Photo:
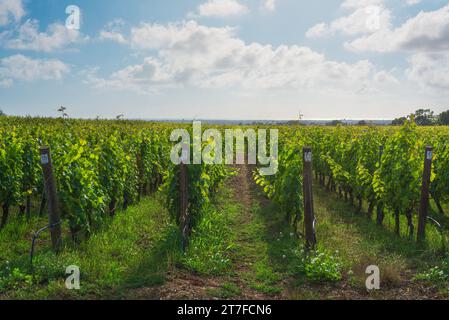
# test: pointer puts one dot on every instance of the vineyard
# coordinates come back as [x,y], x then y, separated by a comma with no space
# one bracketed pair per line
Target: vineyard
[139,225]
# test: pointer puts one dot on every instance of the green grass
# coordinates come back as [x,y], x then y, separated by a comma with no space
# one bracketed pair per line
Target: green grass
[360,242]
[227,290]
[281,261]
[265,247]
[241,248]
[132,250]
[268,256]
[213,239]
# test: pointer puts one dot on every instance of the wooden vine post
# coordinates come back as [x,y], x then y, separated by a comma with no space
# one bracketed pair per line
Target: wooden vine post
[54,216]
[424,206]
[380,209]
[184,202]
[309,218]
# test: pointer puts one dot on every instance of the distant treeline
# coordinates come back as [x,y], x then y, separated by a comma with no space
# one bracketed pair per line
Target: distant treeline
[425,117]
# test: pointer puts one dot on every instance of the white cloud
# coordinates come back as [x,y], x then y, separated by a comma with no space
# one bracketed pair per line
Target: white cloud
[21,68]
[367,17]
[113,32]
[6,83]
[413,2]
[317,31]
[221,8]
[29,37]
[269,5]
[355,4]
[189,54]
[385,77]
[11,10]
[112,36]
[430,70]
[144,78]
[182,36]
[426,32]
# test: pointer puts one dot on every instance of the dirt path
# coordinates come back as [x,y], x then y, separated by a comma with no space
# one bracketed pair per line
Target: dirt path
[239,283]
[248,241]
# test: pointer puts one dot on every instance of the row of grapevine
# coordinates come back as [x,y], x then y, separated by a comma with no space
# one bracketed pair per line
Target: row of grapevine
[101,165]
[98,165]
[203,181]
[381,166]
[285,187]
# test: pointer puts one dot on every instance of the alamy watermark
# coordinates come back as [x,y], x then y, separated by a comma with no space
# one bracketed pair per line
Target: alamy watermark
[73,21]
[373,280]
[207,147]
[73,280]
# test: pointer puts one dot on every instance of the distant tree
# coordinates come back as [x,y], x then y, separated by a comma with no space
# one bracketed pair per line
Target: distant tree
[443,118]
[399,121]
[62,112]
[2,113]
[362,123]
[424,117]
[300,117]
[334,123]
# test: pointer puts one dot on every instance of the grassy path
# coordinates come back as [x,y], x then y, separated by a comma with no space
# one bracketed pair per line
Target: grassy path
[258,270]
[263,263]
[253,272]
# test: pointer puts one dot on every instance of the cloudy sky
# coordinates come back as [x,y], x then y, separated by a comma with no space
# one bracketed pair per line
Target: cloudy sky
[224,59]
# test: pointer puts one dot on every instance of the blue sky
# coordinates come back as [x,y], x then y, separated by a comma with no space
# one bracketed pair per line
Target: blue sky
[225,59]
